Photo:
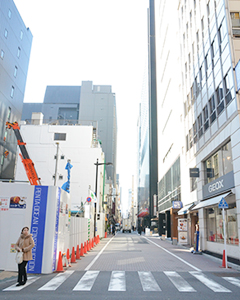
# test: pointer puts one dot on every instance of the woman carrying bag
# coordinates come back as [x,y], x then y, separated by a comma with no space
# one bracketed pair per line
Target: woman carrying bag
[25,244]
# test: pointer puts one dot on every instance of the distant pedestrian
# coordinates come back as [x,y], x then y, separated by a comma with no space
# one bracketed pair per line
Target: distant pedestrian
[113,229]
[25,244]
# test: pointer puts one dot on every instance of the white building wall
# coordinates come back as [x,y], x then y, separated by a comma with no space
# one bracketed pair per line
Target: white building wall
[78,148]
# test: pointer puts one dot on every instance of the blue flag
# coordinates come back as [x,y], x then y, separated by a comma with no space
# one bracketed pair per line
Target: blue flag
[66,185]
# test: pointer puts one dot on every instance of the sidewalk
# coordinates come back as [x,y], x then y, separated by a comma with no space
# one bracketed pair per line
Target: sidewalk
[6,275]
[167,242]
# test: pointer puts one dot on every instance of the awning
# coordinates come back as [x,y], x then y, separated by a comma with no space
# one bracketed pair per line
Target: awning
[211,202]
[185,209]
[143,213]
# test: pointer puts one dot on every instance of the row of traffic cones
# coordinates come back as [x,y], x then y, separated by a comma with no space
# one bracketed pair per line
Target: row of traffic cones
[88,245]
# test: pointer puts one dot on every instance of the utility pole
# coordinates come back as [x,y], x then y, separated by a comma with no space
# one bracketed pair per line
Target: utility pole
[56,165]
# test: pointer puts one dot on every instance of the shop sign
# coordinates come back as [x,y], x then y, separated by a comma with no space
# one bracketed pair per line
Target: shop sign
[194,172]
[177,204]
[218,186]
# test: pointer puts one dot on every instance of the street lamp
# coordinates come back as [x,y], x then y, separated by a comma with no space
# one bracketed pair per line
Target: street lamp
[95,204]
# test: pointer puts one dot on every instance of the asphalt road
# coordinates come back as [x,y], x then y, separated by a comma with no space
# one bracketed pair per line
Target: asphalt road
[129,266]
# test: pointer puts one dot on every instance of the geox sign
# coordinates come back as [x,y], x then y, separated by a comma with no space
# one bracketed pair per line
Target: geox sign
[218,186]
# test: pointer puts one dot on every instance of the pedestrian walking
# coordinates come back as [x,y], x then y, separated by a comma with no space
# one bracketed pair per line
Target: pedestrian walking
[25,244]
[113,229]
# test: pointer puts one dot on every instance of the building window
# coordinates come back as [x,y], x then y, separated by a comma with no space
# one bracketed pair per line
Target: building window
[62,156]
[187,143]
[21,34]
[219,164]
[206,117]
[192,95]
[15,71]
[222,31]
[193,184]
[200,126]
[235,19]
[12,92]
[228,84]
[59,136]
[18,52]
[212,109]
[195,133]
[2,54]
[9,14]
[190,138]
[220,99]
[6,33]
[9,113]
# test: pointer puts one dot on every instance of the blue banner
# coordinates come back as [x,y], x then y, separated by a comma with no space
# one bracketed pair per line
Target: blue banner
[38,228]
[56,231]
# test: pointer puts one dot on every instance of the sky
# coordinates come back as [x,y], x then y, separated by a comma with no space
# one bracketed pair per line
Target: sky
[104,41]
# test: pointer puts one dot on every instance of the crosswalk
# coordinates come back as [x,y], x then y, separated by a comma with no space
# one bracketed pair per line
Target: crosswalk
[116,281]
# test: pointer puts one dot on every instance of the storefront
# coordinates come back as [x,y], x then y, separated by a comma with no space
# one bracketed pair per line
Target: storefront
[219,178]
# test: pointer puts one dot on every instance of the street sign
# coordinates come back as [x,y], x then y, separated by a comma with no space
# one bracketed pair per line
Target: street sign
[222,203]
[89,199]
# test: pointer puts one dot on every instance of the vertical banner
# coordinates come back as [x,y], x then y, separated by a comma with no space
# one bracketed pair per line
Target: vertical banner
[56,231]
[155,205]
[38,228]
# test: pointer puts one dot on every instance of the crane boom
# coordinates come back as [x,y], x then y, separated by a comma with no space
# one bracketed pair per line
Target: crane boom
[27,162]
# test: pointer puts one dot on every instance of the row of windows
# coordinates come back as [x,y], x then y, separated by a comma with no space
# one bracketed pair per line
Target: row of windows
[2,53]
[216,104]
[10,16]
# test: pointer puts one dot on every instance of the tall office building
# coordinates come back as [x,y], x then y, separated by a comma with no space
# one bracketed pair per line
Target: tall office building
[15,47]
[85,104]
[209,39]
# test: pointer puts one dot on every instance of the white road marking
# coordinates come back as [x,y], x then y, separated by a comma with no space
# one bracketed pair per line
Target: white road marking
[94,260]
[180,283]
[182,260]
[213,285]
[148,282]
[233,280]
[117,282]
[54,283]
[87,281]
[13,288]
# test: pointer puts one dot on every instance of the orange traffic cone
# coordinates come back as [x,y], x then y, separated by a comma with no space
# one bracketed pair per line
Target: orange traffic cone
[73,258]
[88,246]
[60,265]
[85,248]
[224,260]
[68,256]
[105,234]
[81,251]
[78,253]
[98,239]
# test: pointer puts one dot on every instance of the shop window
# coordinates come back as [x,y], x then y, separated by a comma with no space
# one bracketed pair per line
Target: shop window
[215,232]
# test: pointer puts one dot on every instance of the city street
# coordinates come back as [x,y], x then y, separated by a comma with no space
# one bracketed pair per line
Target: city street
[129,266]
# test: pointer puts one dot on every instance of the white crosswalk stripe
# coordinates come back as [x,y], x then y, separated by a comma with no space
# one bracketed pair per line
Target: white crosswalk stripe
[13,287]
[117,282]
[54,283]
[233,280]
[180,283]
[211,284]
[87,281]
[148,282]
